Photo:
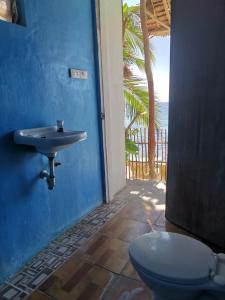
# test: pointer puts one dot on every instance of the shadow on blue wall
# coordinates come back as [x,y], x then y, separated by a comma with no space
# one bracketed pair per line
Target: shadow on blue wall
[35,91]
[9,147]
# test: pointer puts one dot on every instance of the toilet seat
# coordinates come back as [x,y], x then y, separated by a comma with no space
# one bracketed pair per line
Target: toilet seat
[173,258]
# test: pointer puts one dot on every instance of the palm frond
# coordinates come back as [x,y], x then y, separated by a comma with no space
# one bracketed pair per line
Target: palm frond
[135,89]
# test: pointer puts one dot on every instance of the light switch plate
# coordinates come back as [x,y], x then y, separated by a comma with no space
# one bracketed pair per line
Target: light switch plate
[78,74]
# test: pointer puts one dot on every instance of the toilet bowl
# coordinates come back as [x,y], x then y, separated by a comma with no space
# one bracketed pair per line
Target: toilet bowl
[178,267]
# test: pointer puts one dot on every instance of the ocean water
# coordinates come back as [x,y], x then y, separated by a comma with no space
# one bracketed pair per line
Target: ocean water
[163,113]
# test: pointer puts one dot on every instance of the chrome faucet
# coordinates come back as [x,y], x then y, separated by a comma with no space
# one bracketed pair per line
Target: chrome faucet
[60,125]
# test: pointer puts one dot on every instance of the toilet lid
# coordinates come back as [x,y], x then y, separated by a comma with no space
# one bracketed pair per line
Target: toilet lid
[173,257]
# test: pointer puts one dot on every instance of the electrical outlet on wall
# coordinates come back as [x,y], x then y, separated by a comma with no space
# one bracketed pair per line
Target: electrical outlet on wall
[78,74]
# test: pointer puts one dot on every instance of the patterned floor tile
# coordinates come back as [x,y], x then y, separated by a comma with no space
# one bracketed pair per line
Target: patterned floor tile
[90,260]
[9,292]
[41,277]
[21,281]
[45,259]
[58,252]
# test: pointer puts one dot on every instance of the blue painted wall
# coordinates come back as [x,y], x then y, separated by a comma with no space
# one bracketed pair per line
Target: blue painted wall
[35,90]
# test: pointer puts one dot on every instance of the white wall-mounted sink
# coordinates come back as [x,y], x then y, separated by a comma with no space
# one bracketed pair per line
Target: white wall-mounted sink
[48,140]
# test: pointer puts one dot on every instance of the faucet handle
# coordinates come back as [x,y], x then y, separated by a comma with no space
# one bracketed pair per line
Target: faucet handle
[60,124]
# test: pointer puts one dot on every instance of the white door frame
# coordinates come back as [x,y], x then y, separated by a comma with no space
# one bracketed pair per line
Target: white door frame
[110,47]
[102,107]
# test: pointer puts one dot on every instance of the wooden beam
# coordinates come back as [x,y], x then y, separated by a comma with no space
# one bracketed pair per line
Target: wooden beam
[157,20]
[159,32]
[167,10]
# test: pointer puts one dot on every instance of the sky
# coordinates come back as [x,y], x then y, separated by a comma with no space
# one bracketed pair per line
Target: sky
[161,50]
[161,67]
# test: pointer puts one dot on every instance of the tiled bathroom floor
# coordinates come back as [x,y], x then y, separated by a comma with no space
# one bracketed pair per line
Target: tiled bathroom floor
[90,261]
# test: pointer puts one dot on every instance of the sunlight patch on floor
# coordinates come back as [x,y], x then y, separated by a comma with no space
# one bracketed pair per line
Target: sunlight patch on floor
[134,192]
[160,207]
[145,198]
[161,186]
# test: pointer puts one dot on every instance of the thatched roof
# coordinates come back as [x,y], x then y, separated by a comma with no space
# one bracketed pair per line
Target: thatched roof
[158,12]
[5,10]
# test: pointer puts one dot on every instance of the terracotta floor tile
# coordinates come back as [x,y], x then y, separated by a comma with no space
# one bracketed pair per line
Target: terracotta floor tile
[39,296]
[125,229]
[107,252]
[141,211]
[101,269]
[129,271]
[123,288]
[86,281]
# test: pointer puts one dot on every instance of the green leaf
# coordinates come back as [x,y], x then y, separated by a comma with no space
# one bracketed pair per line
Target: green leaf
[135,88]
[130,148]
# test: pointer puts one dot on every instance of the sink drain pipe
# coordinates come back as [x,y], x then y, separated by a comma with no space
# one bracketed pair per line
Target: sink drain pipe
[50,175]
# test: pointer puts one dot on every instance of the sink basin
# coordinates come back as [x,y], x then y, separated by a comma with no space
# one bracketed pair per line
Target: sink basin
[47,140]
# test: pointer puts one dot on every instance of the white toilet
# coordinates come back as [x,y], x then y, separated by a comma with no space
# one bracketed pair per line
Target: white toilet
[178,267]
